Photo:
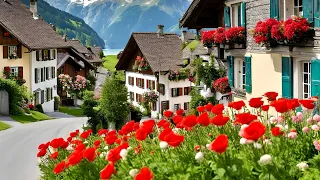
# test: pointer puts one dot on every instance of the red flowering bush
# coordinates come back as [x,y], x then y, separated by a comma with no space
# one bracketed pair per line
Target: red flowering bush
[221,84]
[240,136]
[207,37]
[220,36]
[235,35]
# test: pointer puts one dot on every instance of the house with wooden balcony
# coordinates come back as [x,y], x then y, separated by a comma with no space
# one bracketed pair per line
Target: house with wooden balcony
[28,49]
[291,69]
[148,60]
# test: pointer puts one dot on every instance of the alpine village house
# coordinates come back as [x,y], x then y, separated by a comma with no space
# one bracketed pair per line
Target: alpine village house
[29,50]
[292,70]
[159,54]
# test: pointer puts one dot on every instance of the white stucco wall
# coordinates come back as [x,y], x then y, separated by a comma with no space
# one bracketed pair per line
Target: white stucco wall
[51,83]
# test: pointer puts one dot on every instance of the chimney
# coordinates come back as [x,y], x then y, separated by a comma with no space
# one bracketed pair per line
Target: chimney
[160,30]
[53,27]
[34,8]
[64,37]
[183,36]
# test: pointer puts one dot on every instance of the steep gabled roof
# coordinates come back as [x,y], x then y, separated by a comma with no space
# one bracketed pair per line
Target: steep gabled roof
[66,58]
[16,18]
[95,50]
[203,14]
[162,52]
[78,46]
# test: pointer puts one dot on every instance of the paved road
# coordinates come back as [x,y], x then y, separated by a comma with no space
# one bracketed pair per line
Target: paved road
[18,146]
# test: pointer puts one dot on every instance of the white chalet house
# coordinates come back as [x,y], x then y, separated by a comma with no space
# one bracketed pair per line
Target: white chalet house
[28,48]
[162,51]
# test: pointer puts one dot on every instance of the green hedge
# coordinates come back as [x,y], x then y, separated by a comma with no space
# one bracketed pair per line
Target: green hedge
[16,95]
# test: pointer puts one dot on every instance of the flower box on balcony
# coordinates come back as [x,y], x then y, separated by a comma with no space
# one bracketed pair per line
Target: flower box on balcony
[234,46]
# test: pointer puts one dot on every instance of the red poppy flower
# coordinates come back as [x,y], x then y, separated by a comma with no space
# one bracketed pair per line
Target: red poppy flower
[236,105]
[85,135]
[141,134]
[307,103]
[136,126]
[148,125]
[114,154]
[208,107]
[54,155]
[102,131]
[127,128]
[189,121]
[265,107]
[177,119]
[163,124]
[107,171]
[173,139]
[167,113]
[42,152]
[254,131]
[97,143]
[69,139]
[110,139]
[76,142]
[89,154]
[256,102]
[220,144]
[74,158]
[203,119]
[245,118]
[276,131]
[217,109]
[179,112]
[292,104]
[271,96]
[59,167]
[44,146]
[280,105]
[144,174]
[164,133]
[200,109]
[73,134]
[56,143]
[80,147]
[219,120]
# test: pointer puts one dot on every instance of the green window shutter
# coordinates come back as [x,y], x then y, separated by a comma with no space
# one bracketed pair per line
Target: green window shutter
[274,9]
[227,23]
[243,14]
[230,61]
[287,77]
[316,10]
[307,9]
[239,16]
[248,74]
[315,77]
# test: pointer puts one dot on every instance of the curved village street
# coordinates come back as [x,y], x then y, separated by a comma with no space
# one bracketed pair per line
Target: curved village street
[18,146]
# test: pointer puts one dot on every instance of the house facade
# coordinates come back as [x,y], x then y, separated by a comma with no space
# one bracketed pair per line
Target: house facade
[292,71]
[162,52]
[28,48]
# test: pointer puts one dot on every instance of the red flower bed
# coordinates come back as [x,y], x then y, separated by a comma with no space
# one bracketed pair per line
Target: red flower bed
[221,84]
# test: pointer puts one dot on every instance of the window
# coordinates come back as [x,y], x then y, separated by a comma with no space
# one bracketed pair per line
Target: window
[162,89]
[42,74]
[53,72]
[164,105]
[290,7]
[36,98]
[236,15]
[240,73]
[151,84]
[42,96]
[40,55]
[47,73]
[12,50]
[131,80]
[131,96]
[176,92]
[140,82]
[45,54]
[176,107]
[186,106]
[306,80]
[187,91]
[48,94]
[54,54]
[139,98]
[14,71]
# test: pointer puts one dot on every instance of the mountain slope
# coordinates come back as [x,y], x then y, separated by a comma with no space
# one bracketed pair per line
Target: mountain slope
[115,20]
[73,26]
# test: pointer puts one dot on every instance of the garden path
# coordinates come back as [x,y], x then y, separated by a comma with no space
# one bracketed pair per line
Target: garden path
[19,146]
[10,121]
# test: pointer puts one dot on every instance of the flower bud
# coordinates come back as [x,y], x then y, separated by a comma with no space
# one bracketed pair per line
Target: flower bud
[292,135]
[315,127]
[257,145]
[265,159]
[303,166]
[199,156]
[305,129]
[163,145]
[133,172]
[123,153]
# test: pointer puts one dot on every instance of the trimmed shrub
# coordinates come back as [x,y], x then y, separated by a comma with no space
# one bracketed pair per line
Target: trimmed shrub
[39,108]
[16,95]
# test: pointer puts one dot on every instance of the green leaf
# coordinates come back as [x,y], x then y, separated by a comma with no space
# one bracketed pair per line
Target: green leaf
[220,172]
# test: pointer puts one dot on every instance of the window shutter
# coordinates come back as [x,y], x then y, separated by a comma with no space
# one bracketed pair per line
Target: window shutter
[180,92]
[315,77]
[172,95]
[49,54]
[36,75]
[230,62]
[274,9]
[54,54]
[136,81]
[185,91]
[19,51]
[5,52]
[137,98]
[227,23]
[42,53]
[142,86]
[316,9]
[287,81]
[153,85]
[37,55]
[47,73]
[148,84]
[20,72]
[243,14]
[307,9]
[248,74]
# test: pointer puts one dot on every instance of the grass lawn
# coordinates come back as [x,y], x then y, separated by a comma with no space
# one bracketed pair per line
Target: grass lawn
[110,62]
[71,111]
[4,126]
[193,44]
[34,117]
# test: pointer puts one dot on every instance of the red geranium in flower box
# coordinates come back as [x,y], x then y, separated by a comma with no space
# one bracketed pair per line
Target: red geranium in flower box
[221,84]
[235,35]
[262,32]
[207,38]
[220,37]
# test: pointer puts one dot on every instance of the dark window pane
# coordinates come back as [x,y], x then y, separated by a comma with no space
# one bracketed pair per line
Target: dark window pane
[305,67]
[295,2]
[305,86]
[300,2]
[305,78]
